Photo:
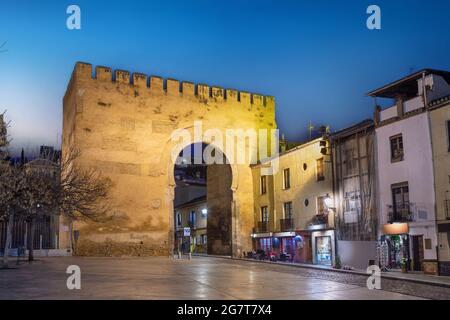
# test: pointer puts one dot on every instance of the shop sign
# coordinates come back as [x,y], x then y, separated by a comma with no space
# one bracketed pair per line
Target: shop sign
[284,234]
[262,235]
[395,228]
[317,227]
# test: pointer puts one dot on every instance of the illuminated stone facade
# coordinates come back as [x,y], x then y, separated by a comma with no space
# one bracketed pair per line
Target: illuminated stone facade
[123,128]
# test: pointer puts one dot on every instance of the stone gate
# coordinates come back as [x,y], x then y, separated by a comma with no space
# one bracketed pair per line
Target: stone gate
[122,126]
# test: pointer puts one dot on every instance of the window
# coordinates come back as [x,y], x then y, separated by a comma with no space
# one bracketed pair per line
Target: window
[179,219]
[192,217]
[321,207]
[352,206]
[204,239]
[264,214]
[448,134]
[400,202]
[286,179]
[263,184]
[320,170]
[396,148]
[352,201]
[288,210]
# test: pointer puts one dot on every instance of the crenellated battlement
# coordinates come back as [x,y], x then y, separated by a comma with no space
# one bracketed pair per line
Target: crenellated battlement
[173,87]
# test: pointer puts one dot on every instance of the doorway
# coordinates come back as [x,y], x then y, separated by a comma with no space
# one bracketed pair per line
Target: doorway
[202,203]
[417,252]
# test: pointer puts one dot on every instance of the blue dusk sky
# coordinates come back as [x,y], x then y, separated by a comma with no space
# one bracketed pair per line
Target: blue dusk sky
[316,57]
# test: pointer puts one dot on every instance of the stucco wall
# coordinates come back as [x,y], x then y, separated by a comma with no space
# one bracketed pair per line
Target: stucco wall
[356,254]
[304,185]
[416,169]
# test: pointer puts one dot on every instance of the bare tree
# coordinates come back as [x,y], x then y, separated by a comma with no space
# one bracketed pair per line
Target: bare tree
[83,193]
[12,186]
[60,186]
[38,197]
[50,186]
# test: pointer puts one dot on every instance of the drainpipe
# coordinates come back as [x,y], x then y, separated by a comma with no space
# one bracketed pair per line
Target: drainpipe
[424,91]
[435,209]
[335,212]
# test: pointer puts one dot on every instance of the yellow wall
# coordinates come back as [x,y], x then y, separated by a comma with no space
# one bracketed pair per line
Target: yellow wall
[304,185]
[441,163]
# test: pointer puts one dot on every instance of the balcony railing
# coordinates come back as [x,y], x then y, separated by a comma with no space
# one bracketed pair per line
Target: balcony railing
[286,224]
[400,212]
[192,225]
[263,226]
[319,219]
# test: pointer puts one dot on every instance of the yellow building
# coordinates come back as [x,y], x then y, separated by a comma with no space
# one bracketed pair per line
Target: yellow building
[439,116]
[294,217]
[190,226]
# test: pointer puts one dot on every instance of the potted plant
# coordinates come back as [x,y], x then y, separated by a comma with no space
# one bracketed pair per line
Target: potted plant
[337,263]
[403,264]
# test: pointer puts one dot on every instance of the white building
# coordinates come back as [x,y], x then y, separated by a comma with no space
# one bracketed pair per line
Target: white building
[405,177]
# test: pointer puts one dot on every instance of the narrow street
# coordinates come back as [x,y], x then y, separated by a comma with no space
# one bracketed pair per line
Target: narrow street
[199,278]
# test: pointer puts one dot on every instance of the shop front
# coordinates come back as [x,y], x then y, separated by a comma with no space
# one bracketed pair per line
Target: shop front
[394,246]
[284,246]
[262,243]
[323,247]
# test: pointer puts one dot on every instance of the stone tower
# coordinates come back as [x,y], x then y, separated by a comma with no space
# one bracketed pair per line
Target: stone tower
[122,126]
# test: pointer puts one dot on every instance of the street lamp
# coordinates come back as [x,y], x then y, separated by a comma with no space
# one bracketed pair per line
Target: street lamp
[329,202]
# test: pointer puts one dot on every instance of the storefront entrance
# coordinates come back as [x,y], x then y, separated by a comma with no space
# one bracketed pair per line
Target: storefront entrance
[324,250]
[398,248]
[417,253]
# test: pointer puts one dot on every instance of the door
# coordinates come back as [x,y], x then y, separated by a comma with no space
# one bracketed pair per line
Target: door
[323,250]
[417,248]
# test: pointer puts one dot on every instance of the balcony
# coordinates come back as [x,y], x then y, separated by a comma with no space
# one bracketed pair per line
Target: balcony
[286,224]
[401,212]
[192,225]
[413,104]
[263,226]
[319,222]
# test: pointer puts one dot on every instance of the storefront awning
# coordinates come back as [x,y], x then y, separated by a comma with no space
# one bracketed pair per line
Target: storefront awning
[262,235]
[395,228]
[284,234]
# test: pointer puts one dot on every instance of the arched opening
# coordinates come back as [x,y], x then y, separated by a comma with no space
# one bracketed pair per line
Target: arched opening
[203,201]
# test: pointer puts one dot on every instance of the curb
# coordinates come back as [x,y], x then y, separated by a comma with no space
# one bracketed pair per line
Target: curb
[355,272]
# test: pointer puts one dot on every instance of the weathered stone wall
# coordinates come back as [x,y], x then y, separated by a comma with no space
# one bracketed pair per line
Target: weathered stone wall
[123,127]
[219,199]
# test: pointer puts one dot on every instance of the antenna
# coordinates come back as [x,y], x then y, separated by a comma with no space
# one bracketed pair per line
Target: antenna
[1,46]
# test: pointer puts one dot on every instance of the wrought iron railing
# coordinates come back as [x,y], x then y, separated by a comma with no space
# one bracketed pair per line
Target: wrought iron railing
[287,224]
[319,219]
[192,225]
[263,226]
[400,212]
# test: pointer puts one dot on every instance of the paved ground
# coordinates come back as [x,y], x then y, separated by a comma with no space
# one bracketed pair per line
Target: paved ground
[164,278]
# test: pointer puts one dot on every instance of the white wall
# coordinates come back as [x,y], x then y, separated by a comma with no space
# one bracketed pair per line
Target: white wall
[357,254]
[416,169]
